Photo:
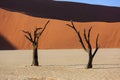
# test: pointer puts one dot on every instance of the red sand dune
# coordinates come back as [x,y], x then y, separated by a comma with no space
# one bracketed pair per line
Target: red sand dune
[57,35]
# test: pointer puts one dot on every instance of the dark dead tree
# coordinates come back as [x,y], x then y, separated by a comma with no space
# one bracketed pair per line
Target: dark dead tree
[87,48]
[34,40]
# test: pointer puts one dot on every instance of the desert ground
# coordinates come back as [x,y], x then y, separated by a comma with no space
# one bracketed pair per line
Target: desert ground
[68,64]
[61,57]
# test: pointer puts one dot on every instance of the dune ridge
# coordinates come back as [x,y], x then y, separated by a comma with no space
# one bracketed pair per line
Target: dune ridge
[62,10]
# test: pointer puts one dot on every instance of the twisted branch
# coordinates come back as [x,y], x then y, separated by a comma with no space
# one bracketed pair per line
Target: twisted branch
[78,34]
[36,34]
[28,35]
[87,39]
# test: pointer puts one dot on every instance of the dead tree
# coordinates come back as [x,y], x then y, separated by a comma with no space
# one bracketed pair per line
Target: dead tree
[34,40]
[87,48]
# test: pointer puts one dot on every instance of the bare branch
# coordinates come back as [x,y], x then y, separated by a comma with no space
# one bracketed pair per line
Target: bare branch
[95,52]
[28,38]
[45,26]
[97,41]
[28,34]
[25,32]
[85,36]
[35,33]
[40,33]
[73,26]
[78,34]
[89,44]
[69,25]
[87,41]
[97,46]
[89,32]
[81,41]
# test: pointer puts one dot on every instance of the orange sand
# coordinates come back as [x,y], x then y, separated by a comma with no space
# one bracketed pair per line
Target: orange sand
[57,35]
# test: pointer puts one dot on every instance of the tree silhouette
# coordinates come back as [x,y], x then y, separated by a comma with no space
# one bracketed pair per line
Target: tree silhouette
[88,49]
[34,40]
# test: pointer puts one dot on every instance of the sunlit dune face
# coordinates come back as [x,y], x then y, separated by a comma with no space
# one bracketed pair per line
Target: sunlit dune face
[57,35]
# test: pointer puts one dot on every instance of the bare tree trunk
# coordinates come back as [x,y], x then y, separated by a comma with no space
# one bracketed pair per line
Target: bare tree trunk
[35,57]
[34,41]
[89,65]
[87,48]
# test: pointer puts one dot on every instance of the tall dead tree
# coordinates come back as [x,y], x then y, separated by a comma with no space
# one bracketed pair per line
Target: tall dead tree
[34,40]
[87,48]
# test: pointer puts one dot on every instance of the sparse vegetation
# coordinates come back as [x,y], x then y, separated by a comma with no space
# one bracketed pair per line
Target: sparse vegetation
[34,40]
[87,48]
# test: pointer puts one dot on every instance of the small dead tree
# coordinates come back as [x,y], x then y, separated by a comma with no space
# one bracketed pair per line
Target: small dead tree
[88,49]
[34,40]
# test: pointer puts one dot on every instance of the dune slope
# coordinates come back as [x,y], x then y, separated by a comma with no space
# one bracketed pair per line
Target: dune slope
[57,35]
